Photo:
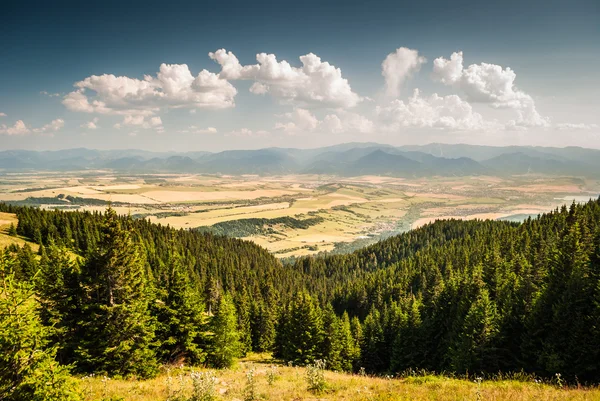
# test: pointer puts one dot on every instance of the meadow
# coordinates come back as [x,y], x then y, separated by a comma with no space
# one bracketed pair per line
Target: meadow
[271,381]
[352,212]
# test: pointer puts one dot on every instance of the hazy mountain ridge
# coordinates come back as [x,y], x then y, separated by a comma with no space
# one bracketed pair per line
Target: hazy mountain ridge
[349,159]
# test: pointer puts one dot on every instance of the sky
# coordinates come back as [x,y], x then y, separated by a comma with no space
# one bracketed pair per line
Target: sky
[197,75]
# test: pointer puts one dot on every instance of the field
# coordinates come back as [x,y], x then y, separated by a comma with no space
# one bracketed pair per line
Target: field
[289,383]
[328,213]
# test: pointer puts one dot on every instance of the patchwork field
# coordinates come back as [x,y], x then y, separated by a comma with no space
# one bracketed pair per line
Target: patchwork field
[295,214]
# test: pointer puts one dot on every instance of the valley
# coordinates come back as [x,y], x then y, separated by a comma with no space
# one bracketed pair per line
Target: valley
[325,213]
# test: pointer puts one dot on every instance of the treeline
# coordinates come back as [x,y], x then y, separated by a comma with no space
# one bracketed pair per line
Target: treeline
[255,226]
[475,296]
[122,296]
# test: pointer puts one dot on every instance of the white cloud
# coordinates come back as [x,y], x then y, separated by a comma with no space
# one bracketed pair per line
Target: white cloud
[2,114]
[140,121]
[399,66]
[580,126]
[302,120]
[437,112]
[19,128]
[491,84]
[91,124]
[315,83]
[53,126]
[299,120]
[49,94]
[192,129]
[173,87]
[155,121]
[246,132]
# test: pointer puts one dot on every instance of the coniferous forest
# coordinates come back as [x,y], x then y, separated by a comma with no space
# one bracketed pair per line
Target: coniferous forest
[107,294]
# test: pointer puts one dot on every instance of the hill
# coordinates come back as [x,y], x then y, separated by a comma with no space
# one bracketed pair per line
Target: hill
[452,296]
[344,160]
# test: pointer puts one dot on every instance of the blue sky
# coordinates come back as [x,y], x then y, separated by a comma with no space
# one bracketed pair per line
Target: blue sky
[523,72]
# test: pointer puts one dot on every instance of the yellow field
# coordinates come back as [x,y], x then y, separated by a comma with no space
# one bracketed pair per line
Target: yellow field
[290,384]
[6,219]
[353,209]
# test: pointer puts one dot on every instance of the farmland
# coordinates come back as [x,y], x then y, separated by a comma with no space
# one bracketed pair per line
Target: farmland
[326,213]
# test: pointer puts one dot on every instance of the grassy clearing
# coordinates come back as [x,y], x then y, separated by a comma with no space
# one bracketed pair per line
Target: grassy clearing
[290,383]
[6,219]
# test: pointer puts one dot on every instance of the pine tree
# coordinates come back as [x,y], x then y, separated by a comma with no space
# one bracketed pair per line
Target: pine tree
[350,351]
[117,329]
[225,341]
[475,349]
[302,332]
[372,343]
[12,230]
[181,320]
[58,290]
[333,342]
[28,370]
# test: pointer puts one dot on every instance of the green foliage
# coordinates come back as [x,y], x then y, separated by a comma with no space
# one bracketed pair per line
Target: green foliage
[12,230]
[300,331]
[225,343]
[117,330]
[181,319]
[257,226]
[28,370]
[458,296]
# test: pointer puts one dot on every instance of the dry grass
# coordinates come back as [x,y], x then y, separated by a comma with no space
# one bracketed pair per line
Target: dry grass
[290,384]
[6,219]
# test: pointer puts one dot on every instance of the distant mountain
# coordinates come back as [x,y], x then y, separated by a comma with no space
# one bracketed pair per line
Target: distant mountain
[345,160]
[522,163]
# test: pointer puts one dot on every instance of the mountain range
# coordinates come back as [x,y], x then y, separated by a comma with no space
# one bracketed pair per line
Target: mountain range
[349,159]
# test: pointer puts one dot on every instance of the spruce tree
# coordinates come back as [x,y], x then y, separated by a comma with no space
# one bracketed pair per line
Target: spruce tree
[28,370]
[12,230]
[181,321]
[333,341]
[117,329]
[225,343]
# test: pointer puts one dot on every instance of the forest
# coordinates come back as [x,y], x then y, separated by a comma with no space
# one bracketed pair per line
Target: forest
[111,295]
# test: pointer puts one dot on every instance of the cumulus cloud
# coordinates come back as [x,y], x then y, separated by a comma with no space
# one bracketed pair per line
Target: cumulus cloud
[491,84]
[298,120]
[45,93]
[399,66]
[53,126]
[19,128]
[575,126]
[140,121]
[315,83]
[174,86]
[91,124]
[2,114]
[195,130]
[438,112]
[246,132]
[302,120]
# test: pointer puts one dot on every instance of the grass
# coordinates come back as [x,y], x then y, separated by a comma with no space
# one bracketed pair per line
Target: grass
[6,219]
[290,383]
